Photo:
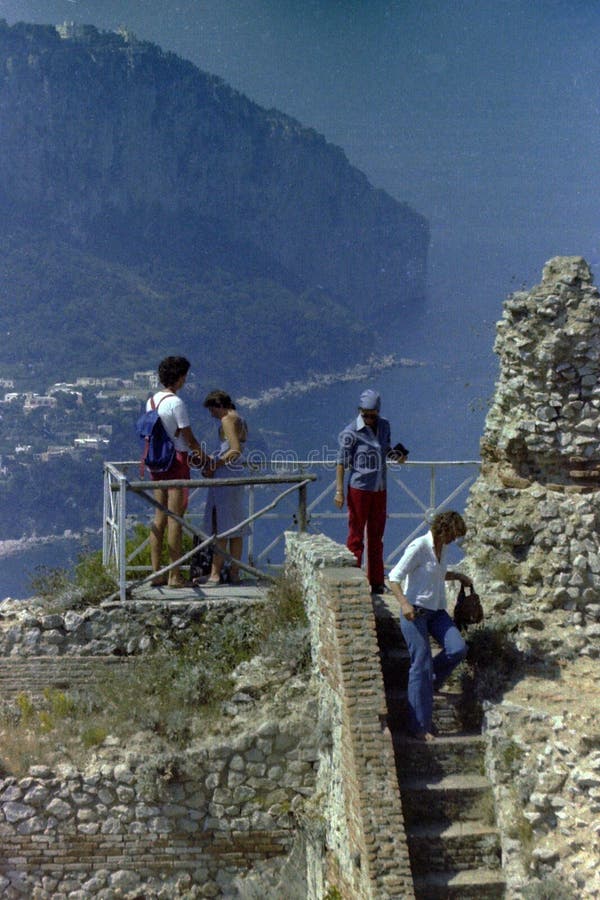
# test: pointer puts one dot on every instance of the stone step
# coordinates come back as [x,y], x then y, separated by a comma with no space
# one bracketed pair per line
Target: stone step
[36,673]
[448,799]
[482,884]
[448,714]
[458,847]
[446,755]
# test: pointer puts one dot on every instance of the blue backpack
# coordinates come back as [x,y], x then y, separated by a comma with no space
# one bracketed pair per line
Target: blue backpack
[159,450]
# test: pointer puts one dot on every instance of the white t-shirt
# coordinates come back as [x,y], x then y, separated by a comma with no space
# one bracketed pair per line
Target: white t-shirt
[423,575]
[173,415]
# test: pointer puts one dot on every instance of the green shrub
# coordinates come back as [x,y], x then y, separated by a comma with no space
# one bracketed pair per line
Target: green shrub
[551,888]
[139,538]
[61,704]
[492,646]
[282,623]
[25,707]
[511,754]
[506,572]
[285,604]
[93,736]
[93,580]
[87,585]
[49,583]
[170,691]
[333,893]
[163,691]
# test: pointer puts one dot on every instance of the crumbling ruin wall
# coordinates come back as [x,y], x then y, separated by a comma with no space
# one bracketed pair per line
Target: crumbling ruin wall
[534,512]
[532,547]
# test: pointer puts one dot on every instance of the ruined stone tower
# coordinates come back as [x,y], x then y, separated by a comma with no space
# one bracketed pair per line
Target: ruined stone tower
[534,512]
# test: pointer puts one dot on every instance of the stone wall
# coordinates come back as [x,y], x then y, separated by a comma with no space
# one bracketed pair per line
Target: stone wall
[215,818]
[532,547]
[113,631]
[362,848]
[534,512]
[66,831]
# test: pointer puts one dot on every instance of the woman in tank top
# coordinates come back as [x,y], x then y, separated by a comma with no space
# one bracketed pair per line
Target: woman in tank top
[225,506]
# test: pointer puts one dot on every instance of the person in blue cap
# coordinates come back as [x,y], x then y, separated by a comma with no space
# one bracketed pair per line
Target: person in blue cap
[364,447]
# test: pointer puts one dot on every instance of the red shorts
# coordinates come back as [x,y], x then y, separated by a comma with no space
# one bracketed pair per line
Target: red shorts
[179,468]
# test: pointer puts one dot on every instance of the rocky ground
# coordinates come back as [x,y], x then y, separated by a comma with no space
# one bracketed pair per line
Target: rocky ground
[545,763]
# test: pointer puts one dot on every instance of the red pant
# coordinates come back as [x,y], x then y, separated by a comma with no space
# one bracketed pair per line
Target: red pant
[367,509]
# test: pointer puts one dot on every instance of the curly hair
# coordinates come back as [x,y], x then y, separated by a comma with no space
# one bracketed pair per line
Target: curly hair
[171,368]
[449,524]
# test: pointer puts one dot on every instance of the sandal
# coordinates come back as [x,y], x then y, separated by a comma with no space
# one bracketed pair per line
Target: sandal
[211,583]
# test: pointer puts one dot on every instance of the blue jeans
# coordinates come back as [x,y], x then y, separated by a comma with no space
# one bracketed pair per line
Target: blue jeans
[427,672]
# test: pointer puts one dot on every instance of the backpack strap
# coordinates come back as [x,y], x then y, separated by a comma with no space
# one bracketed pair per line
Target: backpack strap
[156,405]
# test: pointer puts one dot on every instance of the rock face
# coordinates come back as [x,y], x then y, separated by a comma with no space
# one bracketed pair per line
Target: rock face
[532,547]
[544,421]
[544,759]
[534,512]
[102,133]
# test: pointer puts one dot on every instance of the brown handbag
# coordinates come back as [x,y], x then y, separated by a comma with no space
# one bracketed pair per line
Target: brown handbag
[468,609]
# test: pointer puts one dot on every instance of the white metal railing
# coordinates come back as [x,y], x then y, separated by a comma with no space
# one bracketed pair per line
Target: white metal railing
[416,492]
[118,485]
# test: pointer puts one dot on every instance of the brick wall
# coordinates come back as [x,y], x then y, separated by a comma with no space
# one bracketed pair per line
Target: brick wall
[35,674]
[365,854]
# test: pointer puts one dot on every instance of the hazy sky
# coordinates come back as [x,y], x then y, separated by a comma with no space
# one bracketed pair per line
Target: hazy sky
[483,115]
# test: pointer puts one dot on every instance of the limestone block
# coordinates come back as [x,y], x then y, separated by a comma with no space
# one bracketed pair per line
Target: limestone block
[16,812]
[59,809]
[51,622]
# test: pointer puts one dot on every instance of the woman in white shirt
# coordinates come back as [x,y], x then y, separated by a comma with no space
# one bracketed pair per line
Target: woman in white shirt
[423,570]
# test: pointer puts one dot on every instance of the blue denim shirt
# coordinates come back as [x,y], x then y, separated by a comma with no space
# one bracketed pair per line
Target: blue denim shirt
[363,452]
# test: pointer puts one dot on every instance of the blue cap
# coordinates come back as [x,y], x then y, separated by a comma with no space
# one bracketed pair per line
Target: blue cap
[370,400]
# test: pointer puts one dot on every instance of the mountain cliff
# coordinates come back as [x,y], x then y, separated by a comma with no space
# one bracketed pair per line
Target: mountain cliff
[117,154]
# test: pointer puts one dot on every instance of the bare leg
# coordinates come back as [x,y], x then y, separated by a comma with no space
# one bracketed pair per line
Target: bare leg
[176,505]
[217,561]
[158,530]
[236,545]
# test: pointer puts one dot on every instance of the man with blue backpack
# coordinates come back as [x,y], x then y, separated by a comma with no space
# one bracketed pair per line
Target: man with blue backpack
[168,442]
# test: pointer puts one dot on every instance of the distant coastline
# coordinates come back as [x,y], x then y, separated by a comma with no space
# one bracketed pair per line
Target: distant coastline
[355,373]
[18,545]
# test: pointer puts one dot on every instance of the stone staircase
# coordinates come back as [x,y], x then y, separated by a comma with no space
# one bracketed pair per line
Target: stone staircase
[447,800]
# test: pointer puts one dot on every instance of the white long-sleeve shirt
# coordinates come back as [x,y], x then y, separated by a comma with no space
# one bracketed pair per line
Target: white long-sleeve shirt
[423,575]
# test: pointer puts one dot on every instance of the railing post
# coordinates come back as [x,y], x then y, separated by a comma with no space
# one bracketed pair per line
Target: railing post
[302,516]
[432,489]
[122,539]
[251,508]
[105,514]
